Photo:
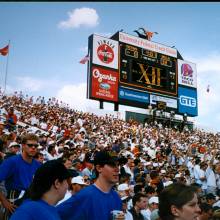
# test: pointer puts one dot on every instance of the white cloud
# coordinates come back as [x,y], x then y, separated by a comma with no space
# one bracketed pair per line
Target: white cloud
[75,96]
[79,17]
[29,84]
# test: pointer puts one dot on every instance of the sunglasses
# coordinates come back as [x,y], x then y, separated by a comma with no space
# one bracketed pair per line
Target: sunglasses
[32,145]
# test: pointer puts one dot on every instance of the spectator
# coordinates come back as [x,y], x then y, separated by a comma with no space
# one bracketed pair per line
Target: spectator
[48,187]
[178,201]
[139,201]
[18,172]
[84,204]
[11,119]
[13,148]
[77,184]
[128,215]
[206,211]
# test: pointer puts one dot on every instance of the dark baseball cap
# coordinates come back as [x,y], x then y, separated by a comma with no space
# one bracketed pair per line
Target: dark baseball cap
[210,196]
[105,157]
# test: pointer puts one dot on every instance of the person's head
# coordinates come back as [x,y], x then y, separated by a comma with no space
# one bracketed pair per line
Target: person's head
[29,144]
[139,188]
[150,191]
[77,183]
[51,149]
[123,189]
[206,211]
[210,198]
[50,177]
[153,202]
[67,162]
[178,201]
[139,201]
[106,166]
[39,157]
[14,147]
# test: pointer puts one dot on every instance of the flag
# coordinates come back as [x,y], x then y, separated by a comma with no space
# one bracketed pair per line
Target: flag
[208,88]
[4,50]
[84,60]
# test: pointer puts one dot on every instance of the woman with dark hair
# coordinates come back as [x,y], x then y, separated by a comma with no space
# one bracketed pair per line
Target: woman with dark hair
[47,188]
[178,202]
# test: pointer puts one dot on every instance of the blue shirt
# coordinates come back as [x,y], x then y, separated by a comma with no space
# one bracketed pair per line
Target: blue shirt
[17,173]
[35,210]
[90,204]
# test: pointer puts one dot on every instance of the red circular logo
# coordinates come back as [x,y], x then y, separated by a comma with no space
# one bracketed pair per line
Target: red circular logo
[105,53]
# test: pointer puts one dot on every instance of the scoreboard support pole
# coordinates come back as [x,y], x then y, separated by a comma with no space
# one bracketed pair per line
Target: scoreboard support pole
[116,107]
[101,104]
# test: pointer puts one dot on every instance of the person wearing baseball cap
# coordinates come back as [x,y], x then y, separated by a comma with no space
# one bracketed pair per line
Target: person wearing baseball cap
[13,149]
[85,204]
[77,183]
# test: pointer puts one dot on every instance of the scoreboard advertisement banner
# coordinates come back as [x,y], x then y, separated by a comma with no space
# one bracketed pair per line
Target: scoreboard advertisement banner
[171,103]
[133,95]
[147,70]
[146,44]
[104,84]
[187,74]
[187,101]
[105,52]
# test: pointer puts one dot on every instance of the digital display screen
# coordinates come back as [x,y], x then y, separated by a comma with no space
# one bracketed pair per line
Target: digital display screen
[148,70]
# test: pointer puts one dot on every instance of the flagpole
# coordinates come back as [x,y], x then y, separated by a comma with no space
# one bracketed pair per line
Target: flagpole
[6,69]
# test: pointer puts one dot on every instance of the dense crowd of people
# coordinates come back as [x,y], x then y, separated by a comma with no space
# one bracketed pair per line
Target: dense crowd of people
[117,168]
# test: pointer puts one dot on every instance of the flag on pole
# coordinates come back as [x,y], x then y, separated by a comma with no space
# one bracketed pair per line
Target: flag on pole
[208,88]
[4,50]
[85,59]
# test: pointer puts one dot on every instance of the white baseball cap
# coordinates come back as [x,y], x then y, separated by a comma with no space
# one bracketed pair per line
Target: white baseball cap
[13,144]
[153,199]
[78,180]
[123,186]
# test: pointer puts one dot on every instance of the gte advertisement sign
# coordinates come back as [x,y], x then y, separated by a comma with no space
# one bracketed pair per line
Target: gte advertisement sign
[105,52]
[188,101]
[187,73]
[104,84]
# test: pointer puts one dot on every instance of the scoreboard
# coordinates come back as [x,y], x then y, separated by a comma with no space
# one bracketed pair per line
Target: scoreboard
[128,70]
[147,70]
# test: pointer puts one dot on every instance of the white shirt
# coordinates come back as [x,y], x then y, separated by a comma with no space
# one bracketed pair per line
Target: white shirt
[210,176]
[128,216]
[146,213]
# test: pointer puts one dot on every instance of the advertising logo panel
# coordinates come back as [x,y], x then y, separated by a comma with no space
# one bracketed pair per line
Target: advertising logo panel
[188,101]
[133,95]
[104,84]
[146,44]
[187,74]
[171,103]
[105,52]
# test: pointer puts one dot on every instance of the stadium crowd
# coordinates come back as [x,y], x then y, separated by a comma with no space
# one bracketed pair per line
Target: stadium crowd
[151,159]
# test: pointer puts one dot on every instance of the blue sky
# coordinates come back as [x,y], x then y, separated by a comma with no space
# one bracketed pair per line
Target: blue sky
[49,39]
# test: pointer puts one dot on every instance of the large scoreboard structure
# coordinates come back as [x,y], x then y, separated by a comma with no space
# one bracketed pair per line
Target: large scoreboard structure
[129,70]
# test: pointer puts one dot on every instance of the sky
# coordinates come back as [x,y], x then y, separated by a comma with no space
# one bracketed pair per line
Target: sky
[48,39]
